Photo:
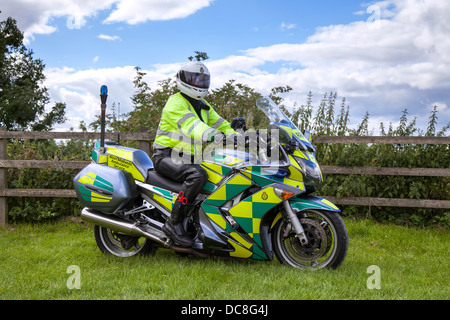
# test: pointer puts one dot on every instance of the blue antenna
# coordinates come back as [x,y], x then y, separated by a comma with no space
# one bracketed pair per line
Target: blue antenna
[103,97]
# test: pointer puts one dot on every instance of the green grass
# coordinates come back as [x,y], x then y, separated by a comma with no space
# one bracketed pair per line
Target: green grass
[414,264]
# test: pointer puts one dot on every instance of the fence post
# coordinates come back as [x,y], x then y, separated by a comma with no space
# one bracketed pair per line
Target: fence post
[3,183]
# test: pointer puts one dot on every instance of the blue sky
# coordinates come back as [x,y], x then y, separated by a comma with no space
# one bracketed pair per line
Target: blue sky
[382,56]
[223,28]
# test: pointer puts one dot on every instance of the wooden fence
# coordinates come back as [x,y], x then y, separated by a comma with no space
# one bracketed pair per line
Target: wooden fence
[144,139]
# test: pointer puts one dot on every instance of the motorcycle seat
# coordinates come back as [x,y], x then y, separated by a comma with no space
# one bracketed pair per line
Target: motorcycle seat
[157,180]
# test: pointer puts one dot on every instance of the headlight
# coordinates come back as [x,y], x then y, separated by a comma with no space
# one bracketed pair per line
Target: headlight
[310,169]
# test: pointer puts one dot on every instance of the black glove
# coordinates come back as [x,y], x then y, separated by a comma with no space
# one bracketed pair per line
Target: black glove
[218,138]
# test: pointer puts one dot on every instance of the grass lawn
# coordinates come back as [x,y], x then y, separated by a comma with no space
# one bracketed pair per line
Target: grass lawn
[413,264]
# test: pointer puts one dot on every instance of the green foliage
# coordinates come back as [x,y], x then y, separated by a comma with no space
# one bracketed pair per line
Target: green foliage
[237,100]
[199,56]
[327,122]
[21,78]
[41,209]
[148,103]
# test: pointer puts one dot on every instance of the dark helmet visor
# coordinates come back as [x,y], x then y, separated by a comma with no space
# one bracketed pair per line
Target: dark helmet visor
[199,80]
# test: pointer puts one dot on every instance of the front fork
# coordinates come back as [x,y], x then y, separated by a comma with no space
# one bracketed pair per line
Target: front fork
[295,222]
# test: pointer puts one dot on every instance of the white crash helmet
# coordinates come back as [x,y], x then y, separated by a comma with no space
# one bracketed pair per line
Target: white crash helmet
[193,79]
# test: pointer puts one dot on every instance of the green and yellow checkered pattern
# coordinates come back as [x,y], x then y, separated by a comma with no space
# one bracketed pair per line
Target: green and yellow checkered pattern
[248,213]
[229,190]
[215,171]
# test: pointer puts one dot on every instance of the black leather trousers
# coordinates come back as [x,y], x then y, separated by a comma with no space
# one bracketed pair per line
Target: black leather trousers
[192,176]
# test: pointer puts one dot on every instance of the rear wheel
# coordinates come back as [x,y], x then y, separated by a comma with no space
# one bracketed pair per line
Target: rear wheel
[122,245]
[327,241]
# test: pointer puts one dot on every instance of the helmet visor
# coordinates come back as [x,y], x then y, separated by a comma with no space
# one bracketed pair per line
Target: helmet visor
[199,80]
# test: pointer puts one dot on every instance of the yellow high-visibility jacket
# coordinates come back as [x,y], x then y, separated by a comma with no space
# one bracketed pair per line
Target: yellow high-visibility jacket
[181,128]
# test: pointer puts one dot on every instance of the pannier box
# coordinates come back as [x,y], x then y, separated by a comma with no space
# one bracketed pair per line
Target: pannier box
[104,188]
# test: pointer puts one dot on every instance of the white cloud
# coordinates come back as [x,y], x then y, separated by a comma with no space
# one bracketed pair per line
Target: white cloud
[35,17]
[287,26]
[79,89]
[137,11]
[233,67]
[109,38]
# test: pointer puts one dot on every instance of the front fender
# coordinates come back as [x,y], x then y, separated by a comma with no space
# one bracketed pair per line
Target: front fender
[312,202]
[298,203]
[308,202]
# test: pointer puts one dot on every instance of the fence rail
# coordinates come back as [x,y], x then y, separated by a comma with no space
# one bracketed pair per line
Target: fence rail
[144,139]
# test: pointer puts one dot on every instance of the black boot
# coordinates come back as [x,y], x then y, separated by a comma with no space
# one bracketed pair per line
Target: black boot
[174,226]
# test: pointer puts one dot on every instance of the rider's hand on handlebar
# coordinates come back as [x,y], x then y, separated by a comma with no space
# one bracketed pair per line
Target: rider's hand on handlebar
[219,137]
[236,139]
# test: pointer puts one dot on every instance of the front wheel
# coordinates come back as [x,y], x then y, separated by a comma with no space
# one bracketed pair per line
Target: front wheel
[122,245]
[327,241]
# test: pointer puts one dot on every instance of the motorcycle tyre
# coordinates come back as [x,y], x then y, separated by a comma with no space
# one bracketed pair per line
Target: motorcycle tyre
[106,246]
[340,234]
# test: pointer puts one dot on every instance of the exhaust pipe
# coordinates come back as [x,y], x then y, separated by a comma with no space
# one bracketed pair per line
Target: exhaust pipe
[121,225]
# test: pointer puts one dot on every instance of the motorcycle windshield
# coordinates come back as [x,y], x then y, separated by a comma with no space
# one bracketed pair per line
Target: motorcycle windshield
[277,117]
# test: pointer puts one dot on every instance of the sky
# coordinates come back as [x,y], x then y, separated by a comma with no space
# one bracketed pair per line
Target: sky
[382,56]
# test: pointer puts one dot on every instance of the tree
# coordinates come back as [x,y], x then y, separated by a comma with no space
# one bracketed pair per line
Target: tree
[237,100]
[22,95]
[148,103]
[199,56]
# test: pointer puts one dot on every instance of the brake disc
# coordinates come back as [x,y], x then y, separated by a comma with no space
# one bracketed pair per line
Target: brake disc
[317,244]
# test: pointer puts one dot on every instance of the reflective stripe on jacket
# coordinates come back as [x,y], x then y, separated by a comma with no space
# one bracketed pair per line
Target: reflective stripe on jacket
[181,128]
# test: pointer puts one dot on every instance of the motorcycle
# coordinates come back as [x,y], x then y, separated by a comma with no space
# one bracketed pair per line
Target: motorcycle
[249,208]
